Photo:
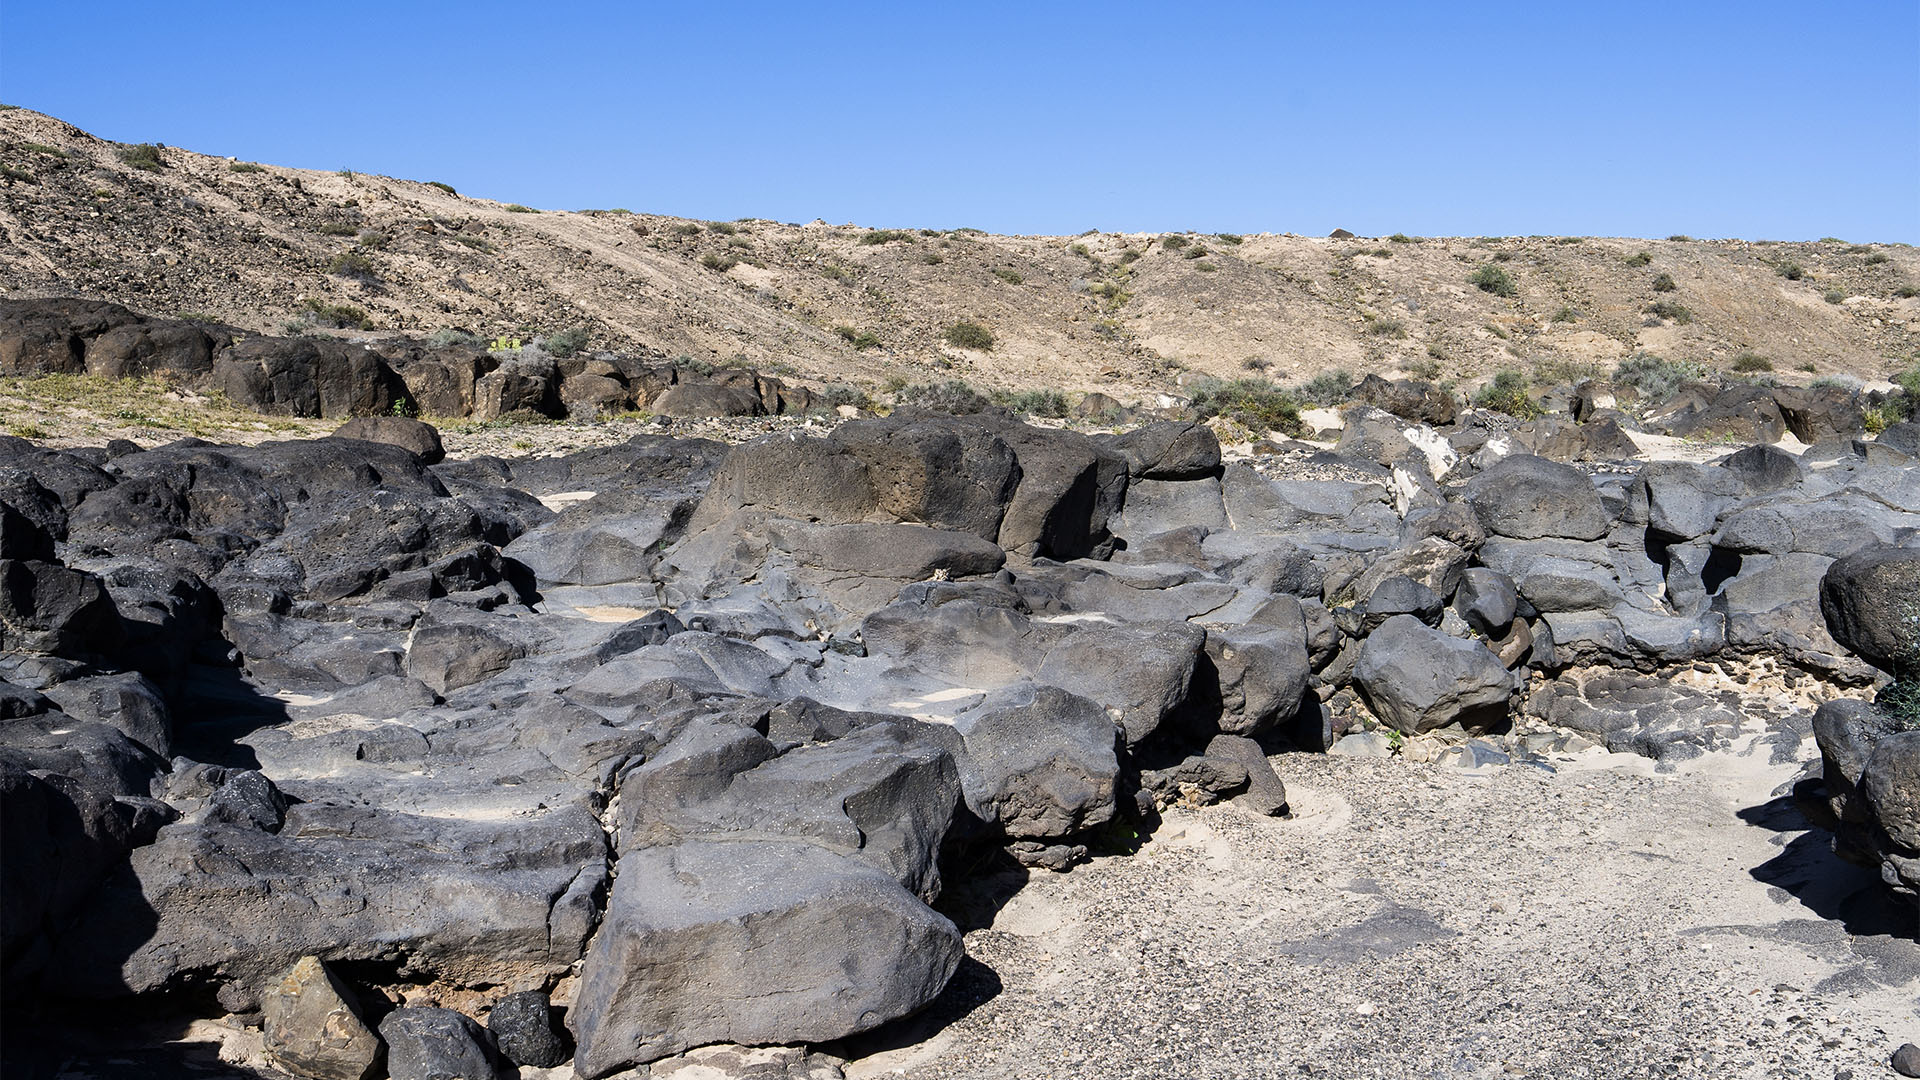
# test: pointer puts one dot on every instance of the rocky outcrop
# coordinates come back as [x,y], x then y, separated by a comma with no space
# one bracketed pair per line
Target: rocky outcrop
[700,747]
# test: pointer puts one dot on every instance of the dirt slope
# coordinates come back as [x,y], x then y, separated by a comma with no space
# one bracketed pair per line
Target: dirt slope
[1128,314]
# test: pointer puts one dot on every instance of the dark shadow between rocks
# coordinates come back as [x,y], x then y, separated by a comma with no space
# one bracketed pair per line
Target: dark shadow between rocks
[1827,885]
[981,879]
[218,706]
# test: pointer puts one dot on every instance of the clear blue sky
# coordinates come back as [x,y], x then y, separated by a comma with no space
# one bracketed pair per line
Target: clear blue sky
[1760,119]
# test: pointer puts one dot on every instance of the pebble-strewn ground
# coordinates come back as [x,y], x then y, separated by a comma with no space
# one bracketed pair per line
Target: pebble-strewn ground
[1413,921]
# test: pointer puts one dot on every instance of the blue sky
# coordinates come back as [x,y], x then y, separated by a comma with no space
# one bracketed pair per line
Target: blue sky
[1761,120]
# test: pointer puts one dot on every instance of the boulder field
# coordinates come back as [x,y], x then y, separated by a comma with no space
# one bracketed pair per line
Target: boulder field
[668,744]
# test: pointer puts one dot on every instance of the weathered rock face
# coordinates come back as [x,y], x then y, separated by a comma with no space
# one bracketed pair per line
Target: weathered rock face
[1871,600]
[1417,678]
[312,1026]
[717,942]
[1527,498]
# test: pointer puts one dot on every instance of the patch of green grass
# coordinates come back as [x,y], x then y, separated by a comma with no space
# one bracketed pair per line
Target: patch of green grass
[1330,387]
[20,176]
[859,339]
[1009,276]
[1663,283]
[968,335]
[955,396]
[1678,314]
[836,272]
[143,156]
[1507,393]
[1492,279]
[1750,362]
[1253,403]
[351,264]
[564,343]
[43,148]
[1051,404]
[1655,377]
[1387,328]
[338,316]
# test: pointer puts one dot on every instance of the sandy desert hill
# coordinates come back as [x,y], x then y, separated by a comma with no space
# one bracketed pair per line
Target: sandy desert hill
[172,232]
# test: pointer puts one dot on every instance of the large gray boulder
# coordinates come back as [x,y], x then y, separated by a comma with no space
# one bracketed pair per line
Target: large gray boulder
[1039,762]
[753,942]
[1168,450]
[1871,600]
[1527,498]
[1416,678]
[440,1044]
[417,437]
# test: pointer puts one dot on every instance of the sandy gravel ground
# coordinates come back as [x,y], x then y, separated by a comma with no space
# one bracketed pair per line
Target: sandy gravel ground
[1414,921]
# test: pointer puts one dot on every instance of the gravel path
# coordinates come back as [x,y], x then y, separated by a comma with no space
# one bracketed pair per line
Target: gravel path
[1413,921]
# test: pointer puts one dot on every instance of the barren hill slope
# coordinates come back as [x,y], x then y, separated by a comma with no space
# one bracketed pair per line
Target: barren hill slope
[260,246]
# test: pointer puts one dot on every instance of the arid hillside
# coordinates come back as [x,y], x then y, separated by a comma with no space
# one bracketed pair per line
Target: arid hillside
[260,247]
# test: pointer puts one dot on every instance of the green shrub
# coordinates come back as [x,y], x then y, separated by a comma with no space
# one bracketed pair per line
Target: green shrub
[885,236]
[1639,258]
[932,258]
[473,242]
[1254,403]
[516,208]
[686,228]
[1750,362]
[373,239]
[724,228]
[859,339]
[1875,259]
[1906,292]
[18,175]
[1255,363]
[564,343]
[351,264]
[1492,279]
[1205,267]
[1566,314]
[954,397]
[1227,238]
[1792,271]
[1008,276]
[1400,238]
[1046,403]
[448,188]
[1330,387]
[338,316]
[1174,243]
[337,228]
[1197,251]
[1676,313]
[1656,378]
[1129,256]
[1663,283]
[1507,393]
[969,335]
[717,262]
[1681,238]
[1878,418]
[1390,328]
[144,156]
[1834,296]
[244,167]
